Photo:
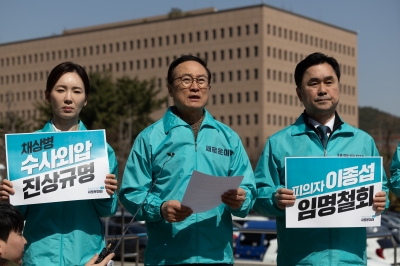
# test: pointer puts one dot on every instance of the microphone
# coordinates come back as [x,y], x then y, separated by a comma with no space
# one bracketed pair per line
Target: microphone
[111,248]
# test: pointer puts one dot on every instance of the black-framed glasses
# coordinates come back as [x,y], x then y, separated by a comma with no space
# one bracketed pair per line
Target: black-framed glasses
[187,81]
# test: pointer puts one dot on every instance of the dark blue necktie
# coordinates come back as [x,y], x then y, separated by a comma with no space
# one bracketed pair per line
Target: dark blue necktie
[323,134]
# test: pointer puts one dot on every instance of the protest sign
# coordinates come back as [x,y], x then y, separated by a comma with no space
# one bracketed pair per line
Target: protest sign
[57,166]
[333,191]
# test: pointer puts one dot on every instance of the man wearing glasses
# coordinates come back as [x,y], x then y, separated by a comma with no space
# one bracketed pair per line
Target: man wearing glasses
[161,162]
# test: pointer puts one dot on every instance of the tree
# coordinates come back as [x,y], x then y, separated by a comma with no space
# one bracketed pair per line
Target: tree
[136,101]
[175,13]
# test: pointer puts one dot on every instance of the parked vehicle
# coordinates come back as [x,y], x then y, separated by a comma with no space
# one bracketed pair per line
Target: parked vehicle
[380,248]
[251,245]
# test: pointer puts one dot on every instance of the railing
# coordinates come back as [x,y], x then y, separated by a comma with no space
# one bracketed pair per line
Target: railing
[121,247]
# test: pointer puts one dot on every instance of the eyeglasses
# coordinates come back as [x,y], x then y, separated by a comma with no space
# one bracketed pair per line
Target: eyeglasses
[187,81]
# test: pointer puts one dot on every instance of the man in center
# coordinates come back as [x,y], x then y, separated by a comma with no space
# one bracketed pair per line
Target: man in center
[161,163]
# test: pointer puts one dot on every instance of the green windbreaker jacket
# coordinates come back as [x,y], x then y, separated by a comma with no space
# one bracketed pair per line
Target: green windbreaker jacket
[203,237]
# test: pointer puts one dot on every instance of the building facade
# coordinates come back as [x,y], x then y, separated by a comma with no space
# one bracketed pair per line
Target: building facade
[251,51]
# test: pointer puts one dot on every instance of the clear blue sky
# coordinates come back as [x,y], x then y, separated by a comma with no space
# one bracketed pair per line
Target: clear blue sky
[377,23]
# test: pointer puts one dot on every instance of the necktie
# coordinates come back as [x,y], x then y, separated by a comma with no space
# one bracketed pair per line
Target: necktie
[323,134]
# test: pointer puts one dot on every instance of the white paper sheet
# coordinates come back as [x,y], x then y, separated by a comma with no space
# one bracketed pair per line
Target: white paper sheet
[204,191]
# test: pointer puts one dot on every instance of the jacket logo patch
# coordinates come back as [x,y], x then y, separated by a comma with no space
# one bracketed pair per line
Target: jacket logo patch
[220,151]
[349,155]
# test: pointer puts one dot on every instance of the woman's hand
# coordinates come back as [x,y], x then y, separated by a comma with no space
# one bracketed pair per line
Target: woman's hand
[6,190]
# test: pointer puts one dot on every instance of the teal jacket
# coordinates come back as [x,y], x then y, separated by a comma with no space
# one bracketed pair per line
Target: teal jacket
[311,246]
[67,233]
[201,238]
[394,183]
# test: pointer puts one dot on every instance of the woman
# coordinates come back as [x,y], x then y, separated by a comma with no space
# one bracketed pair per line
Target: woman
[66,233]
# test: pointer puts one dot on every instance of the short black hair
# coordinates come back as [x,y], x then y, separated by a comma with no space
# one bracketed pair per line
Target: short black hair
[63,68]
[182,59]
[312,60]
[10,220]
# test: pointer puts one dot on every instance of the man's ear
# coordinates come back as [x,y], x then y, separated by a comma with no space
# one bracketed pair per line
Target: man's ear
[298,92]
[170,88]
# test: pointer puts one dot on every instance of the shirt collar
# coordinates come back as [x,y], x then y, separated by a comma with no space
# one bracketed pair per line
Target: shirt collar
[329,124]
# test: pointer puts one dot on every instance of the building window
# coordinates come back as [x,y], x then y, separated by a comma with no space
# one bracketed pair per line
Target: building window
[238,120]
[247,119]
[256,119]
[222,98]
[206,35]
[256,28]
[222,55]
[239,30]
[230,120]
[230,31]
[230,76]
[239,75]
[255,51]
[247,97]
[268,119]
[255,73]
[222,77]
[214,99]
[222,33]
[214,33]
[239,98]
[230,98]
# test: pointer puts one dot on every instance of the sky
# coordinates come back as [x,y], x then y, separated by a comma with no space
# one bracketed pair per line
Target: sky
[377,23]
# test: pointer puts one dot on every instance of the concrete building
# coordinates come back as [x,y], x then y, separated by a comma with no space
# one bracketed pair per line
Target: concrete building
[252,52]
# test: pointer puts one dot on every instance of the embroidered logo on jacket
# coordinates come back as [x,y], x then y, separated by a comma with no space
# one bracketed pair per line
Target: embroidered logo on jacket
[219,151]
[349,155]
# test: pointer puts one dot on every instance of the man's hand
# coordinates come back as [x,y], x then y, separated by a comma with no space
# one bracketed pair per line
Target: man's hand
[234,198]
[102,263]
[172,211]
[6,189]
[285,197]
[380,201]
[111,184]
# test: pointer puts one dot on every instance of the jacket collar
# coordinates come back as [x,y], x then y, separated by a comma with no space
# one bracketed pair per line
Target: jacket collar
[171,120]
[49,127]
[302,126]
